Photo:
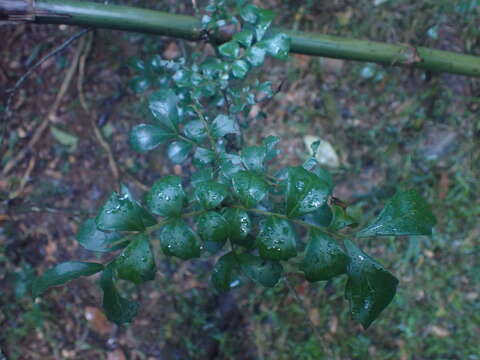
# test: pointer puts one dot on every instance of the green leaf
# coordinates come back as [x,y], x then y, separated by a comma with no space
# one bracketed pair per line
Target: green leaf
[210,194]
[178,151]
[201,175]
[256,55]
[145,137]
[163,105]
[277,239]
[229,166]
[96,240]
[249,13]
[63,273]
[244,37]
[278,46]
[265,18]
[406,213]
[195,130]
[270,143]
[239,224]
[240,69]
[213,230]
[223,125]
[265,272]
[249,187]
[323,258]
[225,274]
[136,263]
[203,156]
[178,239]
[370,288]
[166,197]
[340,219]
[117,308]
[229,49]
[253,158]
[122,213]
[321,217]
[305,192]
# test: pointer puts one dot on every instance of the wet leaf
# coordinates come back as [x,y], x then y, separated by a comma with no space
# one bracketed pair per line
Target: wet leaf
[265,272]
[229,49]
[249,187]
[340,219]
[145,137]
[249,13]
[213,229]
[256,55]
[63,273]
[166,197]
[253,157]
[239,224]
[323,258]
[223,125]
[225,274]
[305,192]
[136,263]
[195,130]
[406,213]
[163,105]
[270,143]
[277,239]
[278,46]
[244,37]
[203,156]
[178,151]
[370,288]
[240,69]
[178,239]
[96,240]
[210,194]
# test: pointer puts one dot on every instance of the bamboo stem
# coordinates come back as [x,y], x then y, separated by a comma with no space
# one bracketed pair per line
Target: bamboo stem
[85,13]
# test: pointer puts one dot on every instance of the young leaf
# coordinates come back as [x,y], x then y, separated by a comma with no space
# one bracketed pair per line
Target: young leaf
[225,274]
[305,192]
[239,224]
[277,239]
[323,258]
[406,213]
[166,197]
[210,194]
[178,239]
[265,272]
[178,151]
[96,240]
[163,105]
[370,288]
[213,229]
[122,213]
[195,130]
[249,187]
[145,137]
[229,49]
[278,46]
[253,157]
[136,263]
[63,273]
[117,308]
[223,125]
[256,55]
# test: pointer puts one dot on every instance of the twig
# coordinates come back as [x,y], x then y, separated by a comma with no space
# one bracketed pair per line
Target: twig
[96,130]
[53,110]
[25,76]
[25,178]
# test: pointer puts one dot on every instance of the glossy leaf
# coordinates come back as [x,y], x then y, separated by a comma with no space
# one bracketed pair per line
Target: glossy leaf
[203,156]
[249,187]
[340,218]
[210,194]
[223,125]
[213,229]
[166,197]
[278,46]
[201,175]
[239,224]
[178,151]
[136,263]
[63,273]
[96,240]
[117,308]
[122,213]
[244,37]
[253,157]
[249,13]
[321,217]
[195,130]
[277,239]
[163,105]
[229,49]
[323,258]
[265,18]
[178,239]
[240,69]
[406,213]
[270,143]
[256,55]
[370,288]
[265,272]
[305,192]
[225,273]
[145,137]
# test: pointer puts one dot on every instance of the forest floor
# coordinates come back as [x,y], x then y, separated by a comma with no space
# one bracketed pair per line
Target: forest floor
[390,127]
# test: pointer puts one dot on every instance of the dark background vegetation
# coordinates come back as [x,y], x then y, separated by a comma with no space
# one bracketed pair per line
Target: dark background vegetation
[391,128]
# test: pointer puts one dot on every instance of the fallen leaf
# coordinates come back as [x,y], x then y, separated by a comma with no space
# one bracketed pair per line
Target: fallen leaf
[98,321]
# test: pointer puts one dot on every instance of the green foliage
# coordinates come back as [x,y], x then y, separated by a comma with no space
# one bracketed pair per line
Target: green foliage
[237,204]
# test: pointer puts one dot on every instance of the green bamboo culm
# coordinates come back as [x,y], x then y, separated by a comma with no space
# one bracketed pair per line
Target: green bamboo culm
[85,13]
